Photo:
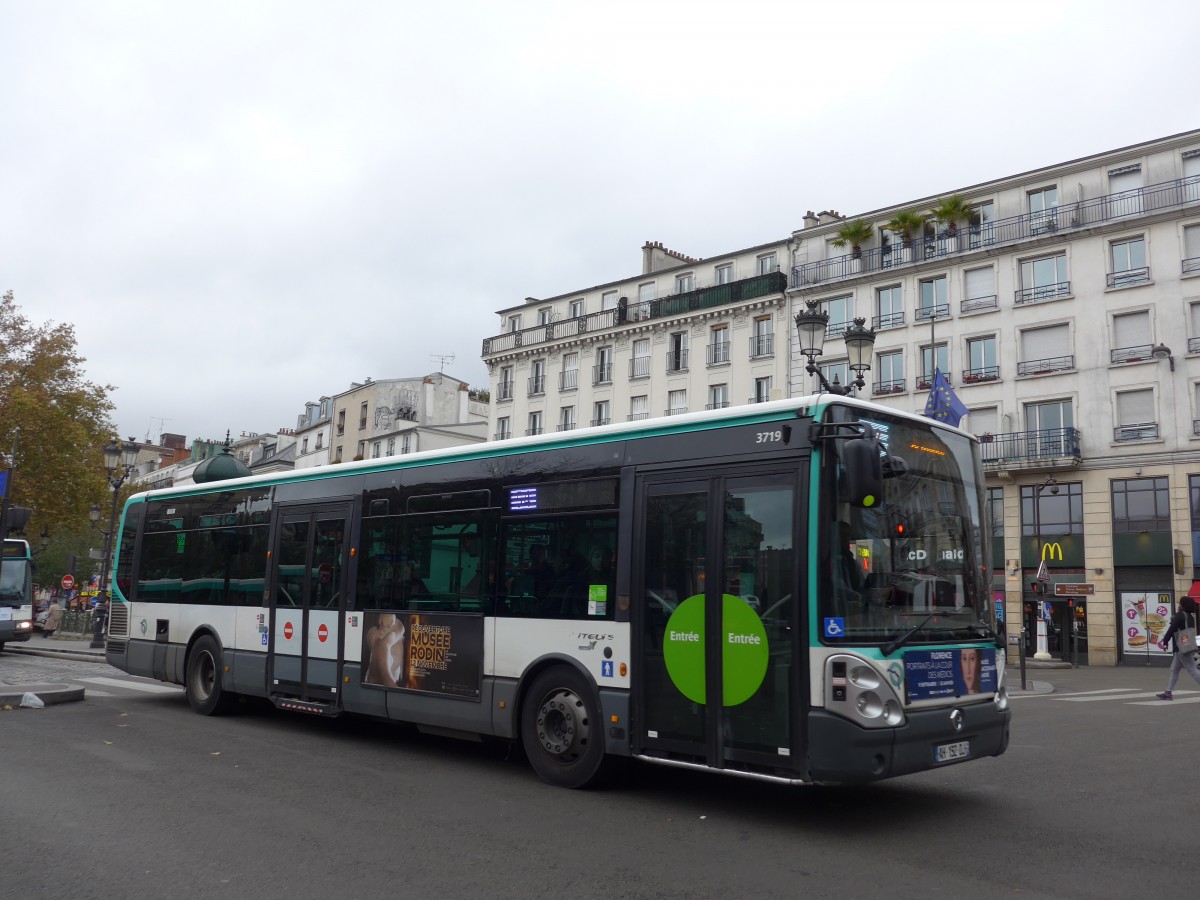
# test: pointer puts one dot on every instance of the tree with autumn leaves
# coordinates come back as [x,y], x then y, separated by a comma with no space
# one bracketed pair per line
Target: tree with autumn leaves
[53,426]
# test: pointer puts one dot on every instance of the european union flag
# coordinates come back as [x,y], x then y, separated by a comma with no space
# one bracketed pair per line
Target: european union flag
[943,404]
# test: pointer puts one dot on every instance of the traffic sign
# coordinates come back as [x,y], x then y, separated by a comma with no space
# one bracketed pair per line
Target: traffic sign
[287,631]
[1075,589]
[68,582]
[323,633]
[1043,574]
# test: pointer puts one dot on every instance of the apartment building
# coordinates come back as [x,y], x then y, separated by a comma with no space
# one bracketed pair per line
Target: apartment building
[684,334]
[1064,307]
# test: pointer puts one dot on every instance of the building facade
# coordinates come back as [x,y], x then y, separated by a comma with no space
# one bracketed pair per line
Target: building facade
[1063,305]
[683,335]
[1064,309]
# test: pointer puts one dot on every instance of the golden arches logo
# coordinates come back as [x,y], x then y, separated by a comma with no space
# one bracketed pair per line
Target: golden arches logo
[1052,550]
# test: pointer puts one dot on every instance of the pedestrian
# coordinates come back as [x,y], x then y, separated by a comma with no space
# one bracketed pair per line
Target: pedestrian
[53,619]
[1184,621]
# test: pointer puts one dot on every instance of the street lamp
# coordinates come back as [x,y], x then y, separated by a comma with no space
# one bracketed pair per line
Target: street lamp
[119,462]
[811,326]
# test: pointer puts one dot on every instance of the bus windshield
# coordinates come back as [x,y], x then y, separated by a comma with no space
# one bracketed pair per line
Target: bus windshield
[14,583]
[912,567]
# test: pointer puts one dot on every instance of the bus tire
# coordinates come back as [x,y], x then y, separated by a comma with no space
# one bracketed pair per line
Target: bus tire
[203,681]
[561,729]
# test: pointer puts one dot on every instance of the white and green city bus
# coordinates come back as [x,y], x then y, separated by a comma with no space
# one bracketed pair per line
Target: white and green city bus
[795,591]
[16,592]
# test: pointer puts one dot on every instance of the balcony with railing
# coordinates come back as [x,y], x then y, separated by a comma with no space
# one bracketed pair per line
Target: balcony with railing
[720,404]
[639,367]
[677,361]
[1128,277]
[1144,431]
[1139,353]
[504,390]
[985,236]
[536,429]
[939,311]
[1040,293]
[718,353]
[602,373]
[883,388]
[566,426]
[979,304]
[637,417]
[568,379]
[1046,448]
[891,320]
[1046,366]
[603,421]
[761,345]
[537,385]
[1191,266]
[672,306]
[981,374]
[925,382]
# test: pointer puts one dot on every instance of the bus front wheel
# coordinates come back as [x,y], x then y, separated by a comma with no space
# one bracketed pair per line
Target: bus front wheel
[203,681]
[561,729]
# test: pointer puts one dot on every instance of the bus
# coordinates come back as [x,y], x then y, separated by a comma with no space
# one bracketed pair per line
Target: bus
[16,591]
[795,591]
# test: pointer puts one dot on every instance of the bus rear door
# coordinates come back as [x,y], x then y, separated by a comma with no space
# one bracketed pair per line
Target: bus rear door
[309,574]
[716,613]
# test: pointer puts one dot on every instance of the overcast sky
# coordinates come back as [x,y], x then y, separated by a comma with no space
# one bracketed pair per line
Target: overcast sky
[245,205]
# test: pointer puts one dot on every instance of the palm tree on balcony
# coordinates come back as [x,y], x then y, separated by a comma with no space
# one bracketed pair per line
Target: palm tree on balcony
[855,234]
[951,212]
[906,224]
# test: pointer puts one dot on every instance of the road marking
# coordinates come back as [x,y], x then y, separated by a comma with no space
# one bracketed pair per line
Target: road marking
[1128,695]
[1166,702]
[92,692]
[136,685]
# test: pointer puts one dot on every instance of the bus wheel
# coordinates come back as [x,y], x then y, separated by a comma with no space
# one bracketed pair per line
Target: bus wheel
[203,681]
[561,729]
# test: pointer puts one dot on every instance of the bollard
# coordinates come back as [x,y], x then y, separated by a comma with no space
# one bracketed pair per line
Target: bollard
[1024,684]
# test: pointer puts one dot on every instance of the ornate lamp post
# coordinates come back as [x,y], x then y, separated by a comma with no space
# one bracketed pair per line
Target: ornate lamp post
[811,325]
[119,462]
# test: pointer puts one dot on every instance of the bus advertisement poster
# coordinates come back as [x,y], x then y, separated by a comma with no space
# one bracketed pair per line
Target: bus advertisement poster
[949,673]
[435,653]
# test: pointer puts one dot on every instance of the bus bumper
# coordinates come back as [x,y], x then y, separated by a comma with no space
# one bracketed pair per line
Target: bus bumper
[16,631]
[841,752]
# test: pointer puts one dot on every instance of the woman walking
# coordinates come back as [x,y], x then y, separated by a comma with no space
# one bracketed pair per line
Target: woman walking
[1185,618]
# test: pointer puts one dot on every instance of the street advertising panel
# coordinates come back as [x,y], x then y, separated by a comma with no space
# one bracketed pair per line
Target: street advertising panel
[1145,618]
[930,674]
[434,653]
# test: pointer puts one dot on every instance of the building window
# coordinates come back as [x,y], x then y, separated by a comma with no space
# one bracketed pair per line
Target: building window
[603,370]
[646,292]
[406,444]
[337,455]
[1044,278]
[762,341]
[341,422]
[676,402]
[1125,191]
[503,428]
[1128,259]
[504,390]
[1057,514]
[535,423]
[639,365]
[362,417]
[639,408]
[1052,428]
[1191,247]
[376,449]
[566,418]
[608,300]
[320,440]
[601,412]
[841,314]
[718,396]
[576,309]
[889,305]
[304,446]
[837,371]
[889,372]
[677,352]
[934,300]
[362,450]
[981,360]
[684,283]
[1042,205]
[995,512]
[930,361]
[762,389]
[1141,504]
[514,323]
[391,446]
[724,273]
[979,289]
[569,377]
[537,377]
[981,229]
[766,264]
[545,316]
[1136,420]
[718,345]
[1131,337]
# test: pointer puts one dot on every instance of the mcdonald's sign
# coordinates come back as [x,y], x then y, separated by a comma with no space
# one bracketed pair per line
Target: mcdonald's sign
[1052,550]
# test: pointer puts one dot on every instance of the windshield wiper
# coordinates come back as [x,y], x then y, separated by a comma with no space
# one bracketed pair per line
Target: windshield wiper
[893,645]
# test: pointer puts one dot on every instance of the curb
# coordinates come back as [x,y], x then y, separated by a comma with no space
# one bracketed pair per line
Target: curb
[79,654]
[50,694]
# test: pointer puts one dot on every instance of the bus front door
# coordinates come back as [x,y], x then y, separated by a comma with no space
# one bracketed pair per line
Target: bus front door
[308,601]
[716,617]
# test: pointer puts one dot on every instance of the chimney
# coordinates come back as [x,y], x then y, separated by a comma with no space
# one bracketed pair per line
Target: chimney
[826,216]
[810,219]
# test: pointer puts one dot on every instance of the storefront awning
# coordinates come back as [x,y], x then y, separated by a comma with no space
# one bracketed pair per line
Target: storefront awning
[1194,590]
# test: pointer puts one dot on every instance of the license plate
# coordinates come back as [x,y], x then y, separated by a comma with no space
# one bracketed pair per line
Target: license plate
[944,753]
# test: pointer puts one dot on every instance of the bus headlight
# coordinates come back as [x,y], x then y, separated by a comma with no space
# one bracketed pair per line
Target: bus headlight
[24,626]
[856,690]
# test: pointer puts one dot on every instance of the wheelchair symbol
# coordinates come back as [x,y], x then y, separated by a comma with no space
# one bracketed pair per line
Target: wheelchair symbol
[835,627]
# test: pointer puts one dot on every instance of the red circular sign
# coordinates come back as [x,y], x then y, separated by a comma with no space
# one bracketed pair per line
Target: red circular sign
[322,634]
[287,630]
[68,582]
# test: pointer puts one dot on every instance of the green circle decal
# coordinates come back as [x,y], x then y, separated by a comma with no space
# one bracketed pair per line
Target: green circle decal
[744,649]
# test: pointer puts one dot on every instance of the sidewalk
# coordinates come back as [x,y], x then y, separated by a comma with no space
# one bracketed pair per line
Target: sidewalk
[57,648]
